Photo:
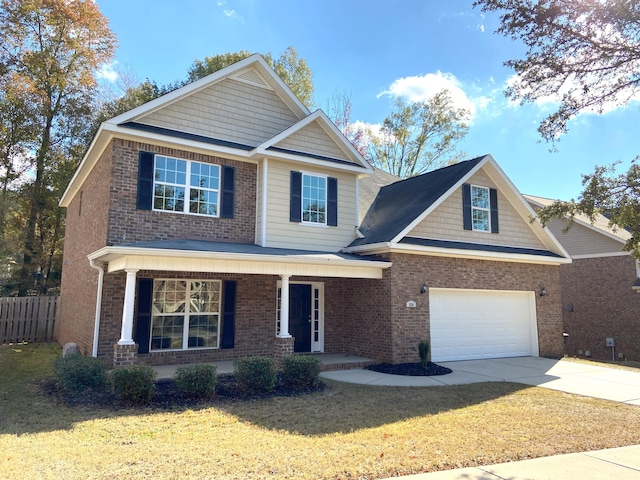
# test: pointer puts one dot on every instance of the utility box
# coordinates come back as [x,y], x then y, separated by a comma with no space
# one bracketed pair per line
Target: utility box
[610,342]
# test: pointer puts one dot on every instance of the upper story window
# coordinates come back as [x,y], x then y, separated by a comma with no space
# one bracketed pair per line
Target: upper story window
[314,199]
[480,208]
[186,186]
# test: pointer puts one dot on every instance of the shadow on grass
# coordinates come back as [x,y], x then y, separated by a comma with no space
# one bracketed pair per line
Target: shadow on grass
[339,408]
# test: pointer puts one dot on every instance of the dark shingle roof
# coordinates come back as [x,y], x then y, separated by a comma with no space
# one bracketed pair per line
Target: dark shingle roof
[428,242]
[399,204]
[368,188]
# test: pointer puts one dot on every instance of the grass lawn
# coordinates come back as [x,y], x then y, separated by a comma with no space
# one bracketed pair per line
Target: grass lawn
[345,431]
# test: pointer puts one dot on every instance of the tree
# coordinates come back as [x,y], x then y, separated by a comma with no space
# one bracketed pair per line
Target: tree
[586,54]
[339,111]
[51,50]
[418,137]
[292,69]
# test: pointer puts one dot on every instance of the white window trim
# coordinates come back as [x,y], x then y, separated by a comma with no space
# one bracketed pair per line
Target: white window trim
[187,188]
[488,210]
[317,346]
[326,199]
[187,315]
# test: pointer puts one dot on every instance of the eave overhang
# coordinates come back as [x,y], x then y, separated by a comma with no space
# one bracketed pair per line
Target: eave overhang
[315,264]
[476,254]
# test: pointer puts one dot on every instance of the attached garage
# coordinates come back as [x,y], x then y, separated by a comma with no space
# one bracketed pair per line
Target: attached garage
[477,324]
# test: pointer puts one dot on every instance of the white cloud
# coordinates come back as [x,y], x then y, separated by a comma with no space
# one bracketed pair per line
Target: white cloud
[421,87]
[107,72]
[233,14]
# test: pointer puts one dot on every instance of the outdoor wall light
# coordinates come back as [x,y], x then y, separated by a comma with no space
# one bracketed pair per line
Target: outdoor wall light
[543,291]
[424,288]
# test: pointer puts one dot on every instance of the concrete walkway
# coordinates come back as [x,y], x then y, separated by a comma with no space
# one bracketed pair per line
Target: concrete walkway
[563,375]
[616,463]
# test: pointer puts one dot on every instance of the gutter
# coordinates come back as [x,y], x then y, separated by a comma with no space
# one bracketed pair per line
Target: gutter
[96,324]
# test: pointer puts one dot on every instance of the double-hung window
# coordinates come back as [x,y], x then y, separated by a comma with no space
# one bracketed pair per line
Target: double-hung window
[186,186]
[314,199]
[185,314]
[480,208]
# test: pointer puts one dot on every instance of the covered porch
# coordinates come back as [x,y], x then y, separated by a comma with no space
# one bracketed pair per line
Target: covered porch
[195,301]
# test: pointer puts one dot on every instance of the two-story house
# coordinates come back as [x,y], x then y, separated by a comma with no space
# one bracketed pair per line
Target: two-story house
[221,220]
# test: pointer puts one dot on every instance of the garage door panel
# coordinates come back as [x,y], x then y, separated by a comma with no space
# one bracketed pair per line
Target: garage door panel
[476,324]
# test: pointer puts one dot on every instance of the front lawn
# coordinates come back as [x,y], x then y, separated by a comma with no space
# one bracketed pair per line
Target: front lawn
[345,431]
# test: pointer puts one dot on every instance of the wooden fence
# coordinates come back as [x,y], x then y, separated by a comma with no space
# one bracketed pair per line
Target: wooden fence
[27,319]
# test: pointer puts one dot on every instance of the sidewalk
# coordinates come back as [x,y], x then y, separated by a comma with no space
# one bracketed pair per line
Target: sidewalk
[616,463]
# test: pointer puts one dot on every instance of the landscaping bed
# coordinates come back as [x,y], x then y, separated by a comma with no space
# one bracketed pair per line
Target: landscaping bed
[167,396]
[410,369]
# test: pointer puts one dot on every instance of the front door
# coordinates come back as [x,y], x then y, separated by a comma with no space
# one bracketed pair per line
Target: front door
[300,317]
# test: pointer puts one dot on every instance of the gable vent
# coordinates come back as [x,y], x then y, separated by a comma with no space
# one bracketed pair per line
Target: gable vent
[252,77]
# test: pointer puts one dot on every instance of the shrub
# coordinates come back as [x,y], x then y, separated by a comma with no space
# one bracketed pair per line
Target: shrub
[301,371]
[423,351]
[196,381]
[77,373]
[135,384]
[257,374]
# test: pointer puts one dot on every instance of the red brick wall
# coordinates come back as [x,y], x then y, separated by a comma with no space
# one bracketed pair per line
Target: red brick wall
[604,305]
[85,232]
[127,224]
[396,330]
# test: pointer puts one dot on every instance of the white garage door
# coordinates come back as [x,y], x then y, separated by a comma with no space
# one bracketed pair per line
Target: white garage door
[474,324]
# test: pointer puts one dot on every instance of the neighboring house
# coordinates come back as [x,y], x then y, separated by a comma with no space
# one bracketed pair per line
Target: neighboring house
[221,220]
[598,288]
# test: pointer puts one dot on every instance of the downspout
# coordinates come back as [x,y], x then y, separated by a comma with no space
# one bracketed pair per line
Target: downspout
[96,324]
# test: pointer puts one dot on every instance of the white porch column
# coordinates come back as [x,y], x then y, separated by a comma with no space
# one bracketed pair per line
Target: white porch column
[126,335]
[284,307]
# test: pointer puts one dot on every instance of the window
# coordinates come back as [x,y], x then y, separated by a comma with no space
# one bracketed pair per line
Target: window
[314,199]
[480,208]
[185,314]
[177,180]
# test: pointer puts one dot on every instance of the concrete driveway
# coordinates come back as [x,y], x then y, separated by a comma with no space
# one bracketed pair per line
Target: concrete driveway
[563,375]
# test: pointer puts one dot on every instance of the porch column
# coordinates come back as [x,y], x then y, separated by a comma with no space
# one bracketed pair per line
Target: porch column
[284,307]
[126,335]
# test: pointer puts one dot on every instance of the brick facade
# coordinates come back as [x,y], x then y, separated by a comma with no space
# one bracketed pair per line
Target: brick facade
[603,304]
[387,330]
[128,225]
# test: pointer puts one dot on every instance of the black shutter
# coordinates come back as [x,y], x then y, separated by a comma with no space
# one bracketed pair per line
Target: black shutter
[295,199]
[227,339]
[493,203]
[466,207]
[143,318]
[332,202]
[228,187]
[144,199]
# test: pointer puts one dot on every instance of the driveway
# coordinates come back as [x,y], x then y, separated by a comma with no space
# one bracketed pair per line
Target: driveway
[563,375]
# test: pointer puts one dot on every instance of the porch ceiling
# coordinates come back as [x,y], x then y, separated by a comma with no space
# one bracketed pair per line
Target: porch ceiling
[219,257]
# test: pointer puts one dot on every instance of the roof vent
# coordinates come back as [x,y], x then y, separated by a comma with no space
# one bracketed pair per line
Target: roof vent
[253,77]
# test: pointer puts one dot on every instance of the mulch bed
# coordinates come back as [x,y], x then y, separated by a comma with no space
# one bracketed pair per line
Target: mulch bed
[410,369]
[166,395]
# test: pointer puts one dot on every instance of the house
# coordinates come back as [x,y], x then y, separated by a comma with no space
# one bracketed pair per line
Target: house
[599,288]
[222,220]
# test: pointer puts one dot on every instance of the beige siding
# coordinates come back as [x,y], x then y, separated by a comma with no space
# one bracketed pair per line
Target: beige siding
[285,234]
[229,110]
[445,222]
[581,240]
[313,139]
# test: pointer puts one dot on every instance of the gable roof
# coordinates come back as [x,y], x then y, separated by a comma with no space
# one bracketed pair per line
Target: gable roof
[401,206]
[600,224]
[253,71]
[368,188]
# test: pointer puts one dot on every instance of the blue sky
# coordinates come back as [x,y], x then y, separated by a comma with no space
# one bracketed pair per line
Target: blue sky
[374,50]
